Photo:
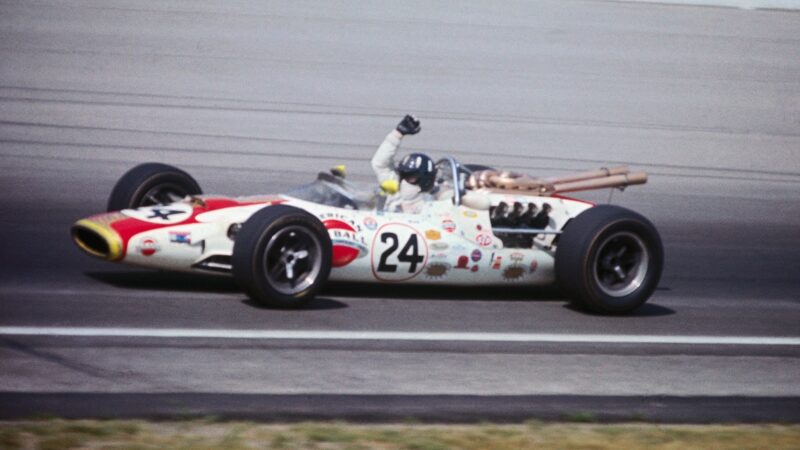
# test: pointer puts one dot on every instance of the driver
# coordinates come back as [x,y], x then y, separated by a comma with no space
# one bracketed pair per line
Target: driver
[416,173]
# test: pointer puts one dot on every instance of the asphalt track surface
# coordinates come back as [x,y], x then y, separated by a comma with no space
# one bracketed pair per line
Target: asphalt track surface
[256,97]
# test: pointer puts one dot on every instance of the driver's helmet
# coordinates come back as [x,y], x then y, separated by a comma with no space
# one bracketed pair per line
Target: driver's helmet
[418,169]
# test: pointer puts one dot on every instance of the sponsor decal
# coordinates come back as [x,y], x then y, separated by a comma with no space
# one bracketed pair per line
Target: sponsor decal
[437,270]
[433,235]
[484,239]
[164,215]
[497,262]
[399,252]
[370,223]
[439,246]
[463,263]
[470,214]
[342,218]
[148,246]
[476,255]
[517,257]
[478,227]
[180,237]
[448,225]
[534,266]
[347,244]
[513,272]
[440,255]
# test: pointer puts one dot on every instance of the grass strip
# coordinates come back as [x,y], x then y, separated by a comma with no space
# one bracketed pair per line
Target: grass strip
[211,434]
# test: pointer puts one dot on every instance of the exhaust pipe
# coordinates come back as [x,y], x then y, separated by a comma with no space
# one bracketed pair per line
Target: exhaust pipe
[97,239]
[620,181]
[590,175]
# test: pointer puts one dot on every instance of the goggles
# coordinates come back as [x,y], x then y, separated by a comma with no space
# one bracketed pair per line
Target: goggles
[412,180]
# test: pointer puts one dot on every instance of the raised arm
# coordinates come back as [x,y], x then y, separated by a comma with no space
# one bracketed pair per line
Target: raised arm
[383,161]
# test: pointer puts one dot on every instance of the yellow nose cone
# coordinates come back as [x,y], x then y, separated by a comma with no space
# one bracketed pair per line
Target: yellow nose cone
[96,237]
[390,186]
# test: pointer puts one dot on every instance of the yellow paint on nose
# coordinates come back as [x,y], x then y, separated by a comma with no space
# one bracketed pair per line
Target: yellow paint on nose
[97,239]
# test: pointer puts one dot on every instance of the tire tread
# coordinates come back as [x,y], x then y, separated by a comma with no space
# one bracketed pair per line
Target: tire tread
[574,258]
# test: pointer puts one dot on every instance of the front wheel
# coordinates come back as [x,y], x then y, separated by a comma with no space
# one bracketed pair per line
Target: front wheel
[609,260]
[151,184]
[282,257]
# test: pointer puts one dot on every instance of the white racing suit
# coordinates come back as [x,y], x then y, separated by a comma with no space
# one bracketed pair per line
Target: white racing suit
[409,197]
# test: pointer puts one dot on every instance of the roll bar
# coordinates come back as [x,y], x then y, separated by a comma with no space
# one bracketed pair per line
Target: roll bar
[458,182]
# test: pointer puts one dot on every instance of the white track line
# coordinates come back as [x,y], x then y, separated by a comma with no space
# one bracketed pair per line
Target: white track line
[741,4]
[396,336]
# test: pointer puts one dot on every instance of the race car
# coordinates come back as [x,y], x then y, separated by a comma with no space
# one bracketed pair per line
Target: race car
[482,227]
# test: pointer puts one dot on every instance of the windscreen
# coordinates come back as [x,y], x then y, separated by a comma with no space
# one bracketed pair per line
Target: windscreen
[332,191]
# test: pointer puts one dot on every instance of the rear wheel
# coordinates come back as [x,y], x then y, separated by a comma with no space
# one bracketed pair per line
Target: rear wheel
[282,257]
[609,260]
[151,184]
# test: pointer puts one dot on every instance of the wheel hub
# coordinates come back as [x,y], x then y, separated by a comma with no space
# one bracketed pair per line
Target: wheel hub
[291,257]
[620,265]
[292,260]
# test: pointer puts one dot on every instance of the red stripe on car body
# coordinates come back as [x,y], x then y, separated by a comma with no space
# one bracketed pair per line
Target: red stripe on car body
[130,227]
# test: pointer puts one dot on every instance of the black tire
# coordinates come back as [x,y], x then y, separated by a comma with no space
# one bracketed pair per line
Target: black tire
[477,167]
[609,260]
[151,184]
[260,257]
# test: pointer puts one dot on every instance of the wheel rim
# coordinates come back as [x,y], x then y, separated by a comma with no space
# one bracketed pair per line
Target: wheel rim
[292,260]
[620,264]
[163,194]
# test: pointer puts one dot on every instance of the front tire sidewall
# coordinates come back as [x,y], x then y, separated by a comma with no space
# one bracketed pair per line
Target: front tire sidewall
[130,189]
[578,248]
[250,247]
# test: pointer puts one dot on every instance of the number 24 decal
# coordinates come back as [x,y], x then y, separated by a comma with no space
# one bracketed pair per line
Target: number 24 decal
[398,252]
[409,253]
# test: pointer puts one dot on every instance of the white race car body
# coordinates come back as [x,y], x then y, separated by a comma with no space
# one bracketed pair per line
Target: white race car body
[475,227]
[445,243]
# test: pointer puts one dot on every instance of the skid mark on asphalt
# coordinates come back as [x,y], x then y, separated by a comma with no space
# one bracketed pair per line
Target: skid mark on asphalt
[57,359]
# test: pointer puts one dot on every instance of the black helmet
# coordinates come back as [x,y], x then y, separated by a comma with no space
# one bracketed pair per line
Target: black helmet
[418,169]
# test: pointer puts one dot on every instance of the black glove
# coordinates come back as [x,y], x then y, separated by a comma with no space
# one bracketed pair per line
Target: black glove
[409,125]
